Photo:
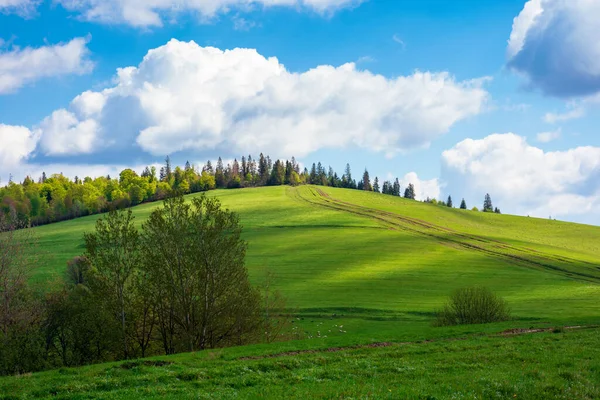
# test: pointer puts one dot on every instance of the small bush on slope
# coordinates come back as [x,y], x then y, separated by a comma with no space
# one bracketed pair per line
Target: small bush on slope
[476,305]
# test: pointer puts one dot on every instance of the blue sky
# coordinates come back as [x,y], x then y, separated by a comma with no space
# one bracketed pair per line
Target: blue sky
[431,84]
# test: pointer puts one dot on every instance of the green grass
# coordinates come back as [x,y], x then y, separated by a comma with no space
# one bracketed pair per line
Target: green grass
[379,266]
[563,365]
[338,251]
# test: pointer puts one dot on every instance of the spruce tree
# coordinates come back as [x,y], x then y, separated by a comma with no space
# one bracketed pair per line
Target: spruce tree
[409,193]
[487,204]
[376,185]
[449,202]
[347,176]
[263,169]
[463,204]
[366,181]
[168,170]
[396,191]
[220,174]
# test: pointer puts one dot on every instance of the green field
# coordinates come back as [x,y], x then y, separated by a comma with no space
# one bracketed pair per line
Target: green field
[547,365]
[359,268]
[355,253]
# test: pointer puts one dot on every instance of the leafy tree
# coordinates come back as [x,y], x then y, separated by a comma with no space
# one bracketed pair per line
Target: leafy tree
[487,204]
[114,252]
[20,343]
[463,204]
[194,258]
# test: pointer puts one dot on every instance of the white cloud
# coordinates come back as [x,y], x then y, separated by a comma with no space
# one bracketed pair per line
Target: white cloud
[242,24]
[23,8]
[184,97]
[152,13]
[521,25]
[365,59]
[64,133]
[574,113]
[555,44]
[19,67]
[18,143]
[546,137]
[524,179]
[423,188]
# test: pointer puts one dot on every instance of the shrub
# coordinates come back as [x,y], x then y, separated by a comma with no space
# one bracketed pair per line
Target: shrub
[475,305]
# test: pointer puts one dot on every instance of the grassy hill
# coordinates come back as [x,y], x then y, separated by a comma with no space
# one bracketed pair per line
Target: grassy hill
[356,253]
[361,268]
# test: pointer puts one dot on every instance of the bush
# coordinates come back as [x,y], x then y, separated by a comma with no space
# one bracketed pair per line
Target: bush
[473,306]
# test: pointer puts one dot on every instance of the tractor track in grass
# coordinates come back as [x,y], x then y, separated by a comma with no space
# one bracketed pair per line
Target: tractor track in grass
[517,255]
[505,333]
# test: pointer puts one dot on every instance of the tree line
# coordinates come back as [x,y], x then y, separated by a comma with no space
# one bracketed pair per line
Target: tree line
[178,284]
[57,198]
[487,204]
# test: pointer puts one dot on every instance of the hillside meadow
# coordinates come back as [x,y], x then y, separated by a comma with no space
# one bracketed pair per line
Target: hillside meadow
[363,275]
[380,263]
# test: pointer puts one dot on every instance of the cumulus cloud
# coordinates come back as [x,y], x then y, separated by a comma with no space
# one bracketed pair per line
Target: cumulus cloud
[23,8]
[152,13]
[18,143]
[423,188]
[19,67]
[64,133]
[524,179]
[555,44]
[546,137]
[184,97]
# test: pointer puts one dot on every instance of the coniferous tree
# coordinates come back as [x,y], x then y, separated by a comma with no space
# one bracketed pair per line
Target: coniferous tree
[313,174]
[366,181]
[235,169]
[497,211]
[396,191]
[409,193]
[487,204]
[220,174]
[168,169]
[263,169]
[449,202]
[463,204]
[386,187]
[376,185]
[187,166]
[244,167]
